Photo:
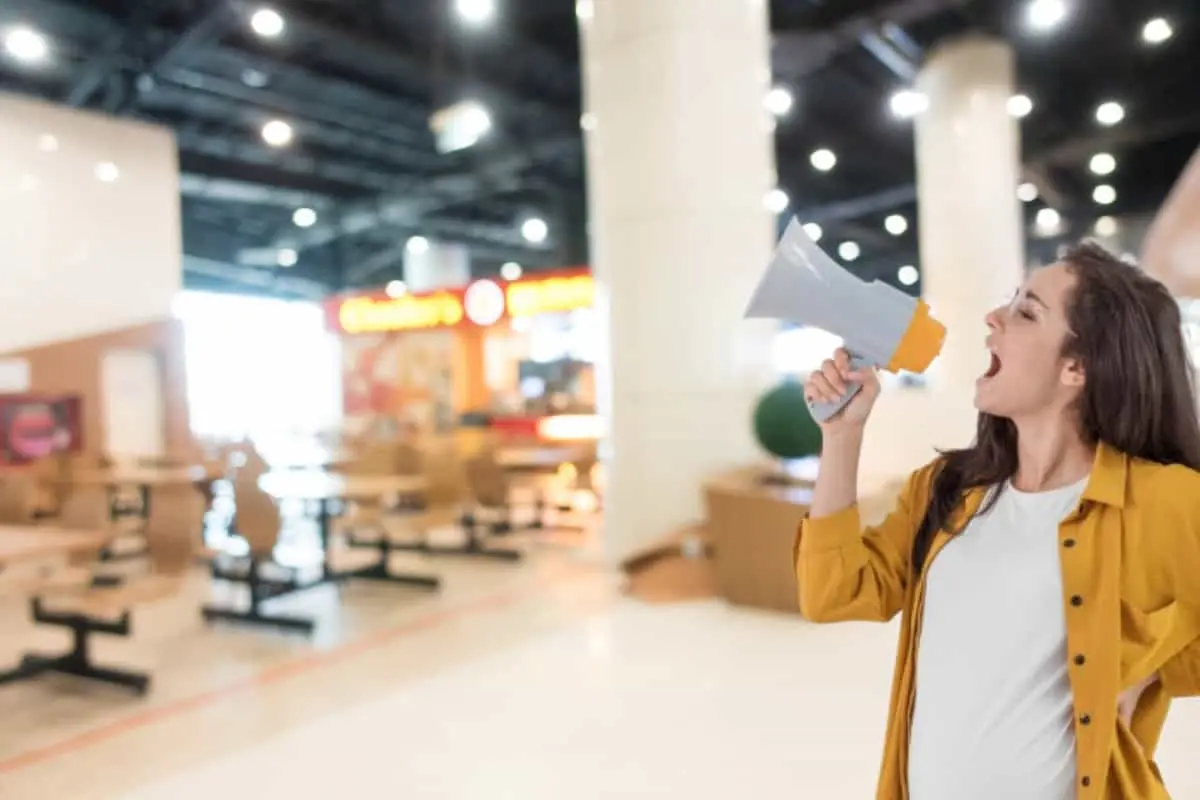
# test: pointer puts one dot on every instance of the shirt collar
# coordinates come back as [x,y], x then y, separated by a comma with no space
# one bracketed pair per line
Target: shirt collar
[1107,482]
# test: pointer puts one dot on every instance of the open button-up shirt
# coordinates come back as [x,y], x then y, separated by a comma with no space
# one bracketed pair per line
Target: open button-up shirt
[1130,559]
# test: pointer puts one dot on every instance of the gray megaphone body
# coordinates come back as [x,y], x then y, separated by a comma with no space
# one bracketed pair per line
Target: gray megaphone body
[880,325]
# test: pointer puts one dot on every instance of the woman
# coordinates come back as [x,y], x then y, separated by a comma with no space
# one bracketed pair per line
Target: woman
[1045,571]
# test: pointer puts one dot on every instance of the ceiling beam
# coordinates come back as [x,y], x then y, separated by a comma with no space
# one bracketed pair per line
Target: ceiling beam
[408,204]
[267,280]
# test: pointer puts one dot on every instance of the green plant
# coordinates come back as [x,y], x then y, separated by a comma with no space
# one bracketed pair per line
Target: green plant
[783,425]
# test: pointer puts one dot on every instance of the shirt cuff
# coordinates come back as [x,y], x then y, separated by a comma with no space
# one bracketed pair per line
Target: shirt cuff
[831,532]
[1177,678]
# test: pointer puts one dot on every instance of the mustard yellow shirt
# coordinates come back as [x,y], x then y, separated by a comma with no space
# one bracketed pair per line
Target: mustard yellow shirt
[1130,557]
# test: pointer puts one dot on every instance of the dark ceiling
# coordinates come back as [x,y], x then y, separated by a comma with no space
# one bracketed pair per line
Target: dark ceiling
[358,80]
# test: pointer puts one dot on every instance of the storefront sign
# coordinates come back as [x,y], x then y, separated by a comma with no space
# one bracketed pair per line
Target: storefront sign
[483,303]
[370,315]
[542,295]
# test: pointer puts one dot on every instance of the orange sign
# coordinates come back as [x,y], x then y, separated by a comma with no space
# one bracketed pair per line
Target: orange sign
[565,291]
[369,315]
[542,295]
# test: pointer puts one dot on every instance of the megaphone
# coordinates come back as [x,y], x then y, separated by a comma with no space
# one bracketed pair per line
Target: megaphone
[881,326]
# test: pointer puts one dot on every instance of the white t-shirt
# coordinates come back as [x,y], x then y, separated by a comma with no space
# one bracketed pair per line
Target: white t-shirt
[994,718]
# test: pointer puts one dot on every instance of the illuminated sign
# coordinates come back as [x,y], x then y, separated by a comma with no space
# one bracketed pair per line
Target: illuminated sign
[483,303]
[542,295]
[411,312]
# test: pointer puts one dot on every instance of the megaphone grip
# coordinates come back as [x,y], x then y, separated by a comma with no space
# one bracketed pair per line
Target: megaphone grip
[823,411]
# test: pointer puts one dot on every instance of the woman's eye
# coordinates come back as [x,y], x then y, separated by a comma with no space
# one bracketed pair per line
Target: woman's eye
[1025,314]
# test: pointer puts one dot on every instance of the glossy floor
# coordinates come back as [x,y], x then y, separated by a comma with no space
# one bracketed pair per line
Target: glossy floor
[541,680]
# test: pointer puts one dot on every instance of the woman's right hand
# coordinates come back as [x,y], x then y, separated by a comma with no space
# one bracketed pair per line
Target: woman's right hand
[828,384]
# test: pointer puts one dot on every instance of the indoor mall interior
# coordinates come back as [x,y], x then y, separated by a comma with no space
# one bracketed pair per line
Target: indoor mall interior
[407,398]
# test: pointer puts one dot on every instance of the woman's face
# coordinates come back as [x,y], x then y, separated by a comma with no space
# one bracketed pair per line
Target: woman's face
[1028,374]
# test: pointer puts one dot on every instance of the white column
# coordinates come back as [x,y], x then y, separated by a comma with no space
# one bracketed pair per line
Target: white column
[680,157]
[972,247]
[968,168]
[437,265]
[90,236]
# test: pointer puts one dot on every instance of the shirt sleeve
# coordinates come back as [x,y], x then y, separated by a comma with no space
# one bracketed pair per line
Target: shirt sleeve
[1180,676]
[844,572]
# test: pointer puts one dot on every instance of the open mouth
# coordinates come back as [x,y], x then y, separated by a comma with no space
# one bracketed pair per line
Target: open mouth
[993,367]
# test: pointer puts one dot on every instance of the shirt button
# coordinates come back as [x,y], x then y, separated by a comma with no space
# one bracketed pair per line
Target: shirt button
[1080,660]
[1068,542]
[1086,781]
[1076,600]
[1085,720]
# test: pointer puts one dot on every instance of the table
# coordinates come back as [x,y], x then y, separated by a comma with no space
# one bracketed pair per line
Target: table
[538,458]
[144,478]
[34,542]
[30,543]
[325,489]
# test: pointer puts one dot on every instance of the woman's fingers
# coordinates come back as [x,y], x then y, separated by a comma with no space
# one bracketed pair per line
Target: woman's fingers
[819,390]
[834,374]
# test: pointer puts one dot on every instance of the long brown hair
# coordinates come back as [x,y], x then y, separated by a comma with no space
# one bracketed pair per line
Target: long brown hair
[1139,395]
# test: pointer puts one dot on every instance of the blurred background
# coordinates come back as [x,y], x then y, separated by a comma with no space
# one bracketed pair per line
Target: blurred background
[377,414]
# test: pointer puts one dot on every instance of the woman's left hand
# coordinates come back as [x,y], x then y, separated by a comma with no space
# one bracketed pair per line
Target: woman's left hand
[1127,701]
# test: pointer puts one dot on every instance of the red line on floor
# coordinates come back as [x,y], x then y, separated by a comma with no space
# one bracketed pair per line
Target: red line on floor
[280,672]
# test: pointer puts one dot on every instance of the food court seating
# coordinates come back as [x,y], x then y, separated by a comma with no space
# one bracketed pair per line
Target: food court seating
[84,606]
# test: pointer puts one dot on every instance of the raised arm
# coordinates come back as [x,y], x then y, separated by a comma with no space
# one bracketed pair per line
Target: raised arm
[1172,244]
[844,572]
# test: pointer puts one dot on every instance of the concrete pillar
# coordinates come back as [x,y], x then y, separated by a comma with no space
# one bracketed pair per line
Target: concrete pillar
[968,167]
[972,246]
[680,158]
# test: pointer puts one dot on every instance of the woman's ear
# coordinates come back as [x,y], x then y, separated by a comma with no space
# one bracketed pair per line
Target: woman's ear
[1073,374]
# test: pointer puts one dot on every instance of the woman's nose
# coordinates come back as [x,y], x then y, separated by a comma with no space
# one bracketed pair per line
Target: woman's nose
[994,319]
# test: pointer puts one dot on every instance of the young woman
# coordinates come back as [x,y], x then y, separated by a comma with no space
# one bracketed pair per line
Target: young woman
[1049,574]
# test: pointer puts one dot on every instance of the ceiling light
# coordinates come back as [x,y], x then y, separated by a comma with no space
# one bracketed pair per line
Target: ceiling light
[584,10]
[48,143]
[587,121]
[510,270]
[814,231]
[848,251]
[1157,31]
[907,275]
[907,103]
[1109,113]
[1045,15]
[267,23]
[1102,164]
[1104,194]
[395,289]
[895,224]
[776,201]
[26,45]
[460,125]
[417,245]
[107,172]
[286,257]
[304,217]
[1027,192]
[1020,106]
[255,78]
[277,133]
[475,12]
[1106,226]
[779,101]
[535,230]
[823,159]
[1048,219]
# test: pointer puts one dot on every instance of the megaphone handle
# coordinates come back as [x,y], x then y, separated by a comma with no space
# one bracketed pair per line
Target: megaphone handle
[823,411]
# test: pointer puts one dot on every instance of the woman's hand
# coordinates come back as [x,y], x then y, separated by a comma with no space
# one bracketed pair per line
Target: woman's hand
[828,384]
[1127,701]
